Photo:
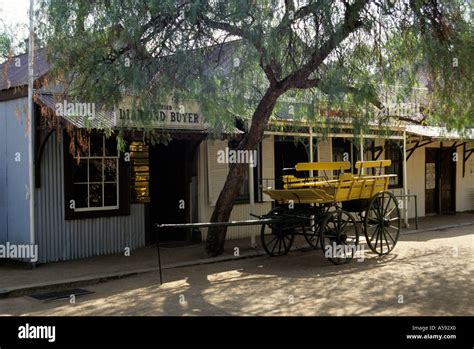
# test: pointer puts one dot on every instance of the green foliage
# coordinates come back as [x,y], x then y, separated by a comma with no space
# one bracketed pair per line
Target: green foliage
[6,42]
[220,53]
[13,39]
[5,46]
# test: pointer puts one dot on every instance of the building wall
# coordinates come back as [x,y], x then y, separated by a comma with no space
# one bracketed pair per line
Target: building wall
[212,176]
[465,186]
[60,239]
[325,150]
[416,182]
[14,205]
[416,179]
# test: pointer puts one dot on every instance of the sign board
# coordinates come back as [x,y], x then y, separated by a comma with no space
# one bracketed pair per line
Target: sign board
[186,116]
[430,175]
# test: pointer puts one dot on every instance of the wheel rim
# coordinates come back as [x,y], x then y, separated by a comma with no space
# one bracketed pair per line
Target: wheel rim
[276,240]
[382,223]
[312,235]
[339,237]
[313,232]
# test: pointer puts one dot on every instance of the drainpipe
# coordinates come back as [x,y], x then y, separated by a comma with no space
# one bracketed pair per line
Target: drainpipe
[311,172]
[253,244]
[405,180]
[31,126]
[252,202]
[311,150]
[361,152]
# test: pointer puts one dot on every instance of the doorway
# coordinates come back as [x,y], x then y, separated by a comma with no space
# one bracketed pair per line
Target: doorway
[173,188]
[288,152]
[440,181]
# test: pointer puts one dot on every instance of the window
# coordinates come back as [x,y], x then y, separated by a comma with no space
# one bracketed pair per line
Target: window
[93,180]
[244,194]
[343,149]
[393,152]
[95,176]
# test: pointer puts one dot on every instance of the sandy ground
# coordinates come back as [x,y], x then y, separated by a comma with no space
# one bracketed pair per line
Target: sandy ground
[428,273]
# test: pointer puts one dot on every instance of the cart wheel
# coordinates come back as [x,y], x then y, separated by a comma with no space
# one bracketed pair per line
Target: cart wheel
[382,223]
[277,238]
[339,236]
[313,232]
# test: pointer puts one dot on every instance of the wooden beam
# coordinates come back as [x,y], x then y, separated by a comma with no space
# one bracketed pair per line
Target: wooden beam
[323,166]
[416,146]
[372,164]
[466,154]
[13,93]
[39,157]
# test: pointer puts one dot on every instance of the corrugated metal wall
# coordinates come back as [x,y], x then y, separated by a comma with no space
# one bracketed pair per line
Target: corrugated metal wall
[14,205]
[59,239]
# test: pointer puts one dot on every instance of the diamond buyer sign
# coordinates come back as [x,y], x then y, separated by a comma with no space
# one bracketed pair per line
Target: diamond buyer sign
[168,116]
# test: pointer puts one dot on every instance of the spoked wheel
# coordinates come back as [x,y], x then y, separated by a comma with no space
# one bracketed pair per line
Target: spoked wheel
[312,234]
[277,238]
[382,223]
[339,236]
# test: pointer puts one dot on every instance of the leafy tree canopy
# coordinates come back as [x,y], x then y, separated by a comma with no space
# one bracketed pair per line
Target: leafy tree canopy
[229,54]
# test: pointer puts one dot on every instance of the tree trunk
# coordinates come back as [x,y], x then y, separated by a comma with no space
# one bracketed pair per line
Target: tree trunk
[225,202]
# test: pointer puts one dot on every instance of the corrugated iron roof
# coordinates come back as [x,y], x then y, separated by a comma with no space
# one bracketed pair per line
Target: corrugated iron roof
[14,72]
[439,132]
[106,119]
[102,119]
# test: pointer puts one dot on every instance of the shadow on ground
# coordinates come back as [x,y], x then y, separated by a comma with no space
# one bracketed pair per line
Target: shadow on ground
[421,277]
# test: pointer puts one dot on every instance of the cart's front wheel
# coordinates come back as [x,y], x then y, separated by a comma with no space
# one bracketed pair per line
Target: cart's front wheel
[277,238]
[339,236]
[382,223]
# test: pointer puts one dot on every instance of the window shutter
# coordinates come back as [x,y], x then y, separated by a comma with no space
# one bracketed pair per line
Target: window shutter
[217,173]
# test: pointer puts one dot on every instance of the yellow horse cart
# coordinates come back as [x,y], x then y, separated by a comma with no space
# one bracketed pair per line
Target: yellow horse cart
[330,208]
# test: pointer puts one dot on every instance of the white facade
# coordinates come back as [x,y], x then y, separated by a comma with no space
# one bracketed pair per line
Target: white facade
[212,176]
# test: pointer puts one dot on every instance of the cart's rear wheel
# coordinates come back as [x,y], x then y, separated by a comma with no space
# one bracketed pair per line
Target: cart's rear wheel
[312,234]
[277,238]
[382,223]
[339,236]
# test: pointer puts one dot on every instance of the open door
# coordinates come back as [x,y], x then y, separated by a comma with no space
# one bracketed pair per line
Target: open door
[440,181]
[447,181]
[287,154]
[173,189]
[167,188]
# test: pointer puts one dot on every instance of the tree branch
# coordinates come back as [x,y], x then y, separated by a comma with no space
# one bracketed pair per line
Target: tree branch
[307,83]
[349,25]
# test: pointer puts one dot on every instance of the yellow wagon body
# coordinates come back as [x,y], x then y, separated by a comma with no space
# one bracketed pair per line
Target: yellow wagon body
[328,188]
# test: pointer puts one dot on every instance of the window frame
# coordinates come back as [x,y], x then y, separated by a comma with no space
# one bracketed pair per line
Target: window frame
[122,207]
[340,143]
[258,194]
[389,147]
[103,182]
